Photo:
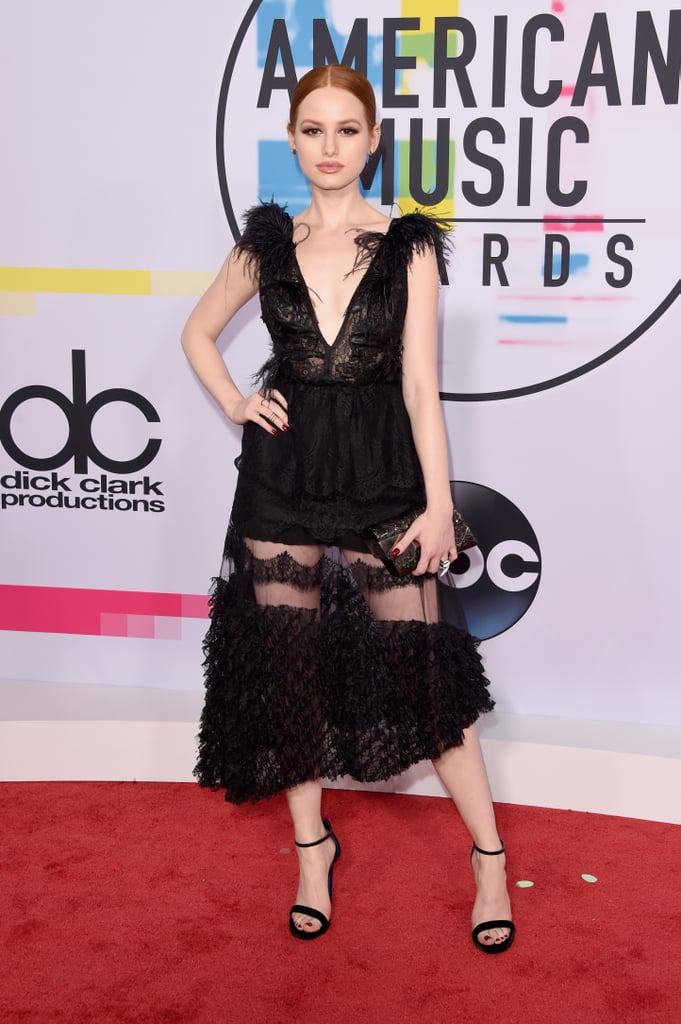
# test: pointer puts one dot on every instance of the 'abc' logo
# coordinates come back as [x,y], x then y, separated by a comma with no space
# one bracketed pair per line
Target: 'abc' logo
[79,412]
[496,582]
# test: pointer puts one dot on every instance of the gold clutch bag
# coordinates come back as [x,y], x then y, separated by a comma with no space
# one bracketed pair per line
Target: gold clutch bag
[382,537]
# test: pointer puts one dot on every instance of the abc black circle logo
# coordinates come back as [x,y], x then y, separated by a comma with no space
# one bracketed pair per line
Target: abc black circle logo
[79,412]
[494,583]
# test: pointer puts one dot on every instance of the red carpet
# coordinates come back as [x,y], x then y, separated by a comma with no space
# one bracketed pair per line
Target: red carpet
[160,904]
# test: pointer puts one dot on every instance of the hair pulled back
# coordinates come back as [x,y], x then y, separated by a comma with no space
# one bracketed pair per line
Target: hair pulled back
[340,77]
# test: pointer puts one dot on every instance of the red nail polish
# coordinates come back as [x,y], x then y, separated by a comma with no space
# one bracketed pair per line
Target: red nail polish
[394,553]
[275,432]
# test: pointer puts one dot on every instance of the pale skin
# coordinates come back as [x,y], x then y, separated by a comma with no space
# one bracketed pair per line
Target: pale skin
[332,139]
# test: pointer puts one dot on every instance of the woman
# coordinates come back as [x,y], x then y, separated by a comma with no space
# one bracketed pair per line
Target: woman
[319,662]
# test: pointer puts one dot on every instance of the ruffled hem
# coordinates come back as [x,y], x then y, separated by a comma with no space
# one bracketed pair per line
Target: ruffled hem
[294,693]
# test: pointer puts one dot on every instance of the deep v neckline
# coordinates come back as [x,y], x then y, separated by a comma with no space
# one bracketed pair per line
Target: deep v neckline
[353,296]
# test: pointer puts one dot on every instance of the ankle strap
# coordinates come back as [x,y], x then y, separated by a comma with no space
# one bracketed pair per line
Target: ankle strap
[491,853]
[329,833]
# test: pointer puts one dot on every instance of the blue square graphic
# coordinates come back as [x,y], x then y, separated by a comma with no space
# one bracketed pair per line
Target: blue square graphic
[299,16]
[280,177]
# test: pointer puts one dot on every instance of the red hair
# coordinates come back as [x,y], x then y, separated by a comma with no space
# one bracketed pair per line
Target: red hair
[340,77]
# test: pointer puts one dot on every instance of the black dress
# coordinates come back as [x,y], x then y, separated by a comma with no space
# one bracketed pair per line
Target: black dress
[319,663]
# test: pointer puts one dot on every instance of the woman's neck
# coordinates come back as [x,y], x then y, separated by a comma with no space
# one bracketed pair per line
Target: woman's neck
[332,210]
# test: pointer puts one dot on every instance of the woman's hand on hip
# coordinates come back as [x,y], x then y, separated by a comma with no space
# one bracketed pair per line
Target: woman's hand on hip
[267,408]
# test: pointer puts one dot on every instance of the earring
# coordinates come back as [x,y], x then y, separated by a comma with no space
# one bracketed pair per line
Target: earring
[294,150]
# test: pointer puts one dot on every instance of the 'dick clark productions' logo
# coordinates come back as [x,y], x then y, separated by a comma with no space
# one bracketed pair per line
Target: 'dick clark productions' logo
[67,459]
[549,139]
[496,582]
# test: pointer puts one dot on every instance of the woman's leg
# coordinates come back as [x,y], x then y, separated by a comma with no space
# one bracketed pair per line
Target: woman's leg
[462,771]
[288,576]
[304,803]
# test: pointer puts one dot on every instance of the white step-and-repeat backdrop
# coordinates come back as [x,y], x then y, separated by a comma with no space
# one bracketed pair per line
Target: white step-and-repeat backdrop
[135,135]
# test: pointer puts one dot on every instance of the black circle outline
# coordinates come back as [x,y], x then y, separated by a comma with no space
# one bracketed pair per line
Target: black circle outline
[579,371]
[33,392]
[222,108]
[445,396]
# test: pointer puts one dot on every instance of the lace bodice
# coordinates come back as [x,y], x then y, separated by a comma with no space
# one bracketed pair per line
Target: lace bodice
[368,346]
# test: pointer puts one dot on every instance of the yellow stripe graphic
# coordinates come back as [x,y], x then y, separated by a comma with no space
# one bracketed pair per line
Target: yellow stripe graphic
[17,304]
[428,10]
[19,285]
[75,280]
[180,282]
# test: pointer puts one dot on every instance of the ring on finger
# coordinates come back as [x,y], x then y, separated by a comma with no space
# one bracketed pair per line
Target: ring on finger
[444,566]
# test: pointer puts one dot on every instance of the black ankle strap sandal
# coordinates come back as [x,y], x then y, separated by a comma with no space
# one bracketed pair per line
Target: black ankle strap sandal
[298,908]
[495,947]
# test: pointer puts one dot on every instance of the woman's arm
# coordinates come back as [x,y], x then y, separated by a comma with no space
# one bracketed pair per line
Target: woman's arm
[433,530]
[235,284]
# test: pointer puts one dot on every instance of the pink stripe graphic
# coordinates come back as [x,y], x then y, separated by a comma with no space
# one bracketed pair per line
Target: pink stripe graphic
[568,298]
[98,612]
[587,224]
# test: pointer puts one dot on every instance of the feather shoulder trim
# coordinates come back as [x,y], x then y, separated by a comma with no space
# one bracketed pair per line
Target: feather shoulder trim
[407,236]
[267,236]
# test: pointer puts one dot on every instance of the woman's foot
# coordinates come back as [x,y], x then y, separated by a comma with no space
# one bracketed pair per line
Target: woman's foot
[313,886]
[492,902]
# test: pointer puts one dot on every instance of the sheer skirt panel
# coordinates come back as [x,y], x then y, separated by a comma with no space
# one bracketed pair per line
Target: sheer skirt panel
[319,663]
